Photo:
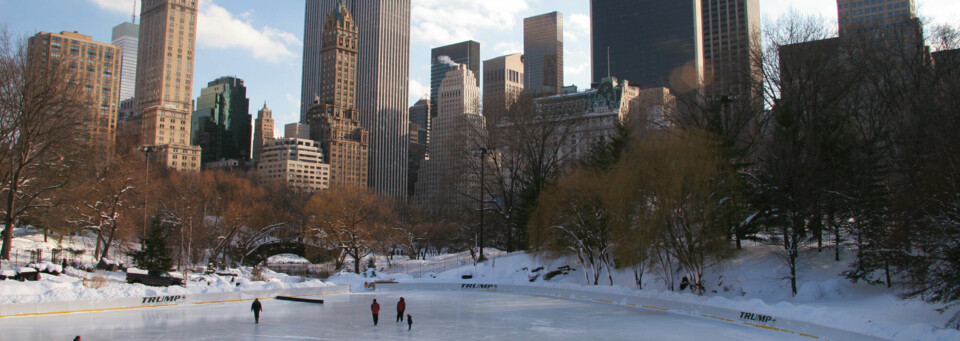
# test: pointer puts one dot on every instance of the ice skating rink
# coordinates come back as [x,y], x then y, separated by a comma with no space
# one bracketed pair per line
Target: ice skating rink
[436,316]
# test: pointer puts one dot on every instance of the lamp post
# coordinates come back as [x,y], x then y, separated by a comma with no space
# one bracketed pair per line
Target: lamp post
[725,102]
[146,150]
[482,154]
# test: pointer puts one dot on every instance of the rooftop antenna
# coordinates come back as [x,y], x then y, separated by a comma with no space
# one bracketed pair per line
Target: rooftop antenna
[608,61]
[133,18]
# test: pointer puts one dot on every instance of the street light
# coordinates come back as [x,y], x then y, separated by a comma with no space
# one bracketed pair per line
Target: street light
[482,154]
[146,150]
[725,102]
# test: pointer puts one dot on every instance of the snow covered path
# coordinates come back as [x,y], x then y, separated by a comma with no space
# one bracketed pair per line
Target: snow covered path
[436,316]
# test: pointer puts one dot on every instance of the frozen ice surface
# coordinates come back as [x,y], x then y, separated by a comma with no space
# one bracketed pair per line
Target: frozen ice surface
[436,316]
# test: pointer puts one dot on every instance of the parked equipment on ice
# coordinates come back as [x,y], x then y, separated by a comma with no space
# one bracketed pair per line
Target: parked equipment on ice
[154,278]
[299,299]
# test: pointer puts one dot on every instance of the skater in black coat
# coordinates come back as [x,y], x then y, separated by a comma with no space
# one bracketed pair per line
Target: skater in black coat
[409,321]
[256,307]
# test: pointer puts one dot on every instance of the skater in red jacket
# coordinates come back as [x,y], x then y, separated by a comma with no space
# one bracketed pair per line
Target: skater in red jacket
[375,309]
[401,306]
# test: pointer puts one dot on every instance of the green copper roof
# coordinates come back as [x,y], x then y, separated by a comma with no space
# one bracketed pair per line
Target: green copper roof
[340,11]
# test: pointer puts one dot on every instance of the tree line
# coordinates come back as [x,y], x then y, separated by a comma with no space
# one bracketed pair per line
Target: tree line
[842,143]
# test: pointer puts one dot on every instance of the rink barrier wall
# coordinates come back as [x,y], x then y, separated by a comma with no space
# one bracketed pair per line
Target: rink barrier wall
[166,300]
[812,331]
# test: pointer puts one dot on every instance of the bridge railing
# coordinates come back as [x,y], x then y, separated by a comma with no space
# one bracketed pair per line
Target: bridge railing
[321,271]
[416,268]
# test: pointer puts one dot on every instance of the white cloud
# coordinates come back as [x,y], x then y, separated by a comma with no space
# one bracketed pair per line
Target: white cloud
[508,47]
[120,6]
[449,21]
[576,27]
[218,28]
[940,11]
[292,99]
[418,90]
[578,71]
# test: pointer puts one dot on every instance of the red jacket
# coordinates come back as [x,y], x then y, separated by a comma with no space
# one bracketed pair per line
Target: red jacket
[375,308]
[401,306]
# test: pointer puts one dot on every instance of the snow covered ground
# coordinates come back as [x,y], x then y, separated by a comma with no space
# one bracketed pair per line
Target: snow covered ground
[436,316]
[76,285]
[753,280]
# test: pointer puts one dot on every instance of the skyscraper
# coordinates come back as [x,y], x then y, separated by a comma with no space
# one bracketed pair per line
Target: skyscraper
[543,53]
[296,161]
[502,83]
[95,66]
[651,43]
[445,58]
[896,21]
[419,116]
[730,29]
[442,179]
[383,71]
[262,131]
[164,76]
[221,122]
[126,36]
[334,119]
[420,112]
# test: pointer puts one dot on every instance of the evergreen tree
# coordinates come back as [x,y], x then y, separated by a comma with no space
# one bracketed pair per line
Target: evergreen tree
[606,153]
[155,256]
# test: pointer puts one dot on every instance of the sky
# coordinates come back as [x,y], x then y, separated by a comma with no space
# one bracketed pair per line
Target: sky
[261,42]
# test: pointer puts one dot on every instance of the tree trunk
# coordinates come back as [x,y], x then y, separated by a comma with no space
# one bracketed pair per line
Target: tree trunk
[836,234]
[793,273]
[8,219]
[638,275]
[696,282]
[96,253]
[109,241]
[609,272]
[356,260]
[791,240]
[886,270]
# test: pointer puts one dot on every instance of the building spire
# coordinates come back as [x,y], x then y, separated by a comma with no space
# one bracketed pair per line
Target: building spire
[133,18]
[341,10]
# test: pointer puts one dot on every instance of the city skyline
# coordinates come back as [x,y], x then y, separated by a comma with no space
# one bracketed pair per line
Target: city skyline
[263,42]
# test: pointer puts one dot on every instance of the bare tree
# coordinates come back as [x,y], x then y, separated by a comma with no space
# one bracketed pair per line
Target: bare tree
[186,201]
[40,105]
[106,195]
[687,189]
[529,145]
[804,86]
[347,219]
[239,209]
[576,220]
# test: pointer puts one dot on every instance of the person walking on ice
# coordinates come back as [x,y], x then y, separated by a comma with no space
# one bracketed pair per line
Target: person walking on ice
[256,307]
[375,309]
[409,321]
[401,306]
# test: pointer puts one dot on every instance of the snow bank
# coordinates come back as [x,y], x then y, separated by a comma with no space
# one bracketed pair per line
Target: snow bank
[81,286]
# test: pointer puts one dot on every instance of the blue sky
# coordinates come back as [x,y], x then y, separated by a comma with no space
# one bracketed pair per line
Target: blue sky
[263,45]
